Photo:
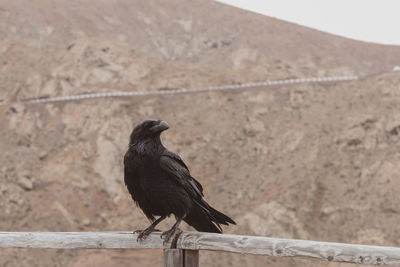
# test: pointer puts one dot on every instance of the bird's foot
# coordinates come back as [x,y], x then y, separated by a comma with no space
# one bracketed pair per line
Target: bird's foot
[172,232]
[143,234]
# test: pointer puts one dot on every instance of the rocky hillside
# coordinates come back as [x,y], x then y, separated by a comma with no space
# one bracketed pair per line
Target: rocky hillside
[43,40]
[315,162]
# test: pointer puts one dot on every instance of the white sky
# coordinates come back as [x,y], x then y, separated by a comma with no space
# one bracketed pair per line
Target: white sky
[375,21]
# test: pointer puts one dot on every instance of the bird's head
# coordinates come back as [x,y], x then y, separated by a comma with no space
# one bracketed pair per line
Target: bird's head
[148,129]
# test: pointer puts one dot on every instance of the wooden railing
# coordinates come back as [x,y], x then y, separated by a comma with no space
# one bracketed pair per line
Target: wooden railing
[189,243]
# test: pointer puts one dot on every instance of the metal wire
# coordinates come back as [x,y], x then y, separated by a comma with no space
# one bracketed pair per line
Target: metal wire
[191,90]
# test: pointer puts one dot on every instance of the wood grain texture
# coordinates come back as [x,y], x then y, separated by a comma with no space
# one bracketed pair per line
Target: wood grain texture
[191,258]
[181,258]
[173,257]
[78,240]
[327,251]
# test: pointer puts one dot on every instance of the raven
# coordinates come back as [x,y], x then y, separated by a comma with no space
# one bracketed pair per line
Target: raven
[160,183]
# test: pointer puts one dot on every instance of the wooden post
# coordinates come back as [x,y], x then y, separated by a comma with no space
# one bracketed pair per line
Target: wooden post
[191,258]
[174,257]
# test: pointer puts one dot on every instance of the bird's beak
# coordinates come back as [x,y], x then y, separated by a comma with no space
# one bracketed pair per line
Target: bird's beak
[162,126]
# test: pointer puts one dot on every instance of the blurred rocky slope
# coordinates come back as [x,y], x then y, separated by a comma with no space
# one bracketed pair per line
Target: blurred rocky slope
[316,162]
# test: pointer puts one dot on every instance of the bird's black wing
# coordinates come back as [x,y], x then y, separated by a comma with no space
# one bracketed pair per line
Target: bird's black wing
[177,170]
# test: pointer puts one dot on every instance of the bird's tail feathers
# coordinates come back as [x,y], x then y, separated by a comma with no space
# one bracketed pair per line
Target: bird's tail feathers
[205,218]
[220,217]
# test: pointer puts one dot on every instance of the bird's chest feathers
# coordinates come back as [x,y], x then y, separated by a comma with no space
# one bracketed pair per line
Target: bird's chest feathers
[146,158]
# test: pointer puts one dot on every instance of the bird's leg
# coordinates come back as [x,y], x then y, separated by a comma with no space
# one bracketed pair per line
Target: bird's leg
[168,234]
[144,233]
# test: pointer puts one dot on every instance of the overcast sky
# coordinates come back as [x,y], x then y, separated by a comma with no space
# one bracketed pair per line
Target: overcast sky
[368,20]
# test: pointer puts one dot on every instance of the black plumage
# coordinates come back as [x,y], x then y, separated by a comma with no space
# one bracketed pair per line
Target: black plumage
[160,183]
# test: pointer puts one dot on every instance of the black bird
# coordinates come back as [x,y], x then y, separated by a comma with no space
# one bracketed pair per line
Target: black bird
[160,183]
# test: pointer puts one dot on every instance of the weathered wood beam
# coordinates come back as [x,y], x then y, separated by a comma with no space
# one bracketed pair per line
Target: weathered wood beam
[328,251]
[78,240]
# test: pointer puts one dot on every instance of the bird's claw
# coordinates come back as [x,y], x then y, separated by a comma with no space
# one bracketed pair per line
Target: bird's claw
[168,234]
[143,234]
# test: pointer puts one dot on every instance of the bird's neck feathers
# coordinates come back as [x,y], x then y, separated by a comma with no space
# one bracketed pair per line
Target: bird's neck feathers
[147,146]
